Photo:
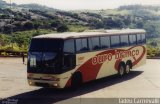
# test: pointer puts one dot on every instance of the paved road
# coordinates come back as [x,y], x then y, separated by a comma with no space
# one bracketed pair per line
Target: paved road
[143,82]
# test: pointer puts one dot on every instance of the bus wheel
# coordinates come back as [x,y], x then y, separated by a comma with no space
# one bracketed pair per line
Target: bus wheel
[128,67]
[76,80]
[121,69]
[127,71]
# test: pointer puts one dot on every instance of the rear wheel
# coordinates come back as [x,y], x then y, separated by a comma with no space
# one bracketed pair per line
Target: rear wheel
[128,66]
[128,69]
[121,70]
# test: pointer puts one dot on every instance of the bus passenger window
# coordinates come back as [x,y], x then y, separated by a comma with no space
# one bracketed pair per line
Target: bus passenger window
[69,46]
[143,38]
[81,45]
[105,42]
[78,45]
[124,40]
[68,55]
[90,44]
[84,45]
[95,43]
[139,40]
[115,41]
[132,39]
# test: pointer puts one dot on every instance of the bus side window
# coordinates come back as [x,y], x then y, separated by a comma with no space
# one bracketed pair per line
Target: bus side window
[78,45]
[115,41]
[124,40]
[95,43]
[139,40]
[143,38]
[132,39]
[105,42]
[90,44]
[81,45]
[69,46]
[84,45]
[69,56]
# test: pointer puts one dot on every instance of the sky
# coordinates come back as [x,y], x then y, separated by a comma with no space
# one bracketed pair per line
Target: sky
[86,4]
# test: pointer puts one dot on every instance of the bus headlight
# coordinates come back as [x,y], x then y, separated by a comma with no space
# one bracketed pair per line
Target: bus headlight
[30,83]
[55,84]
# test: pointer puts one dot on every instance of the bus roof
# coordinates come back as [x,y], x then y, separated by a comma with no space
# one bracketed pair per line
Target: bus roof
[92,33]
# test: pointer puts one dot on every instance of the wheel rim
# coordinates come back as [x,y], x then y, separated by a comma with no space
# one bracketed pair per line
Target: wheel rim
[121,71]
[127,69]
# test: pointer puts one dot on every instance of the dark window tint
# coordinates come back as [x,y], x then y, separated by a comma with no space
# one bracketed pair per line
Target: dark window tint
[90,43]
[139,40]
[132,39]
[105,42]
[115,41]
[78,45]
[81,45]
[143,38]
[95,43]
[69,46]
[84,45]
[124,40]
[46,45]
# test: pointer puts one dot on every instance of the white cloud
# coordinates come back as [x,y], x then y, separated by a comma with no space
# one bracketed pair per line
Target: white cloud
[86,4]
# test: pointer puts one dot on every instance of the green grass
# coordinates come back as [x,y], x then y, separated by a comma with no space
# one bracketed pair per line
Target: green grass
[34,32]
[77,28]
[153,47]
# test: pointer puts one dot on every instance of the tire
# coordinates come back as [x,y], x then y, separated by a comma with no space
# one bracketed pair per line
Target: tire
[128,69]
[76,80]
[121,69]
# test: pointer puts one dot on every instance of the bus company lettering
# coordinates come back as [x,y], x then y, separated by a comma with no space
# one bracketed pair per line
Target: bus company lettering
[101,58]
[124,54]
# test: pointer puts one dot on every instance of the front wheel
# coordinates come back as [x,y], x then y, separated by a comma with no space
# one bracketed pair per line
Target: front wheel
[76,80]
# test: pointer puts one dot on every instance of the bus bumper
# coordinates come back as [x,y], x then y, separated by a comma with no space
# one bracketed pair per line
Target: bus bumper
[42,83]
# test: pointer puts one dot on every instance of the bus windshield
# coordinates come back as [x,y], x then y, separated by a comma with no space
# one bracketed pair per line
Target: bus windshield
[45,55]
[46,45]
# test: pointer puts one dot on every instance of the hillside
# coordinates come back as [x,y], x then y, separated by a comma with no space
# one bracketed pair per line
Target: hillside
[19,23]
[42,17]
[36,16]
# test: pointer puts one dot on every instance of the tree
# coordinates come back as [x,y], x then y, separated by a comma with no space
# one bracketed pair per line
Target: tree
[8,28]
[4,39]
[55,23]
[37,25]
[140,24]
[28,25]
[62,28]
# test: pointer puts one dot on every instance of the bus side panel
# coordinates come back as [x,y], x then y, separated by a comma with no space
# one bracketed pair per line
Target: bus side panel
[99,64]
[94,65]
[85,66]
[143,60]
[109,67]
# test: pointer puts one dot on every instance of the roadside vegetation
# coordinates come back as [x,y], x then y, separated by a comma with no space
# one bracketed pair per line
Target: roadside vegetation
[153,47]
